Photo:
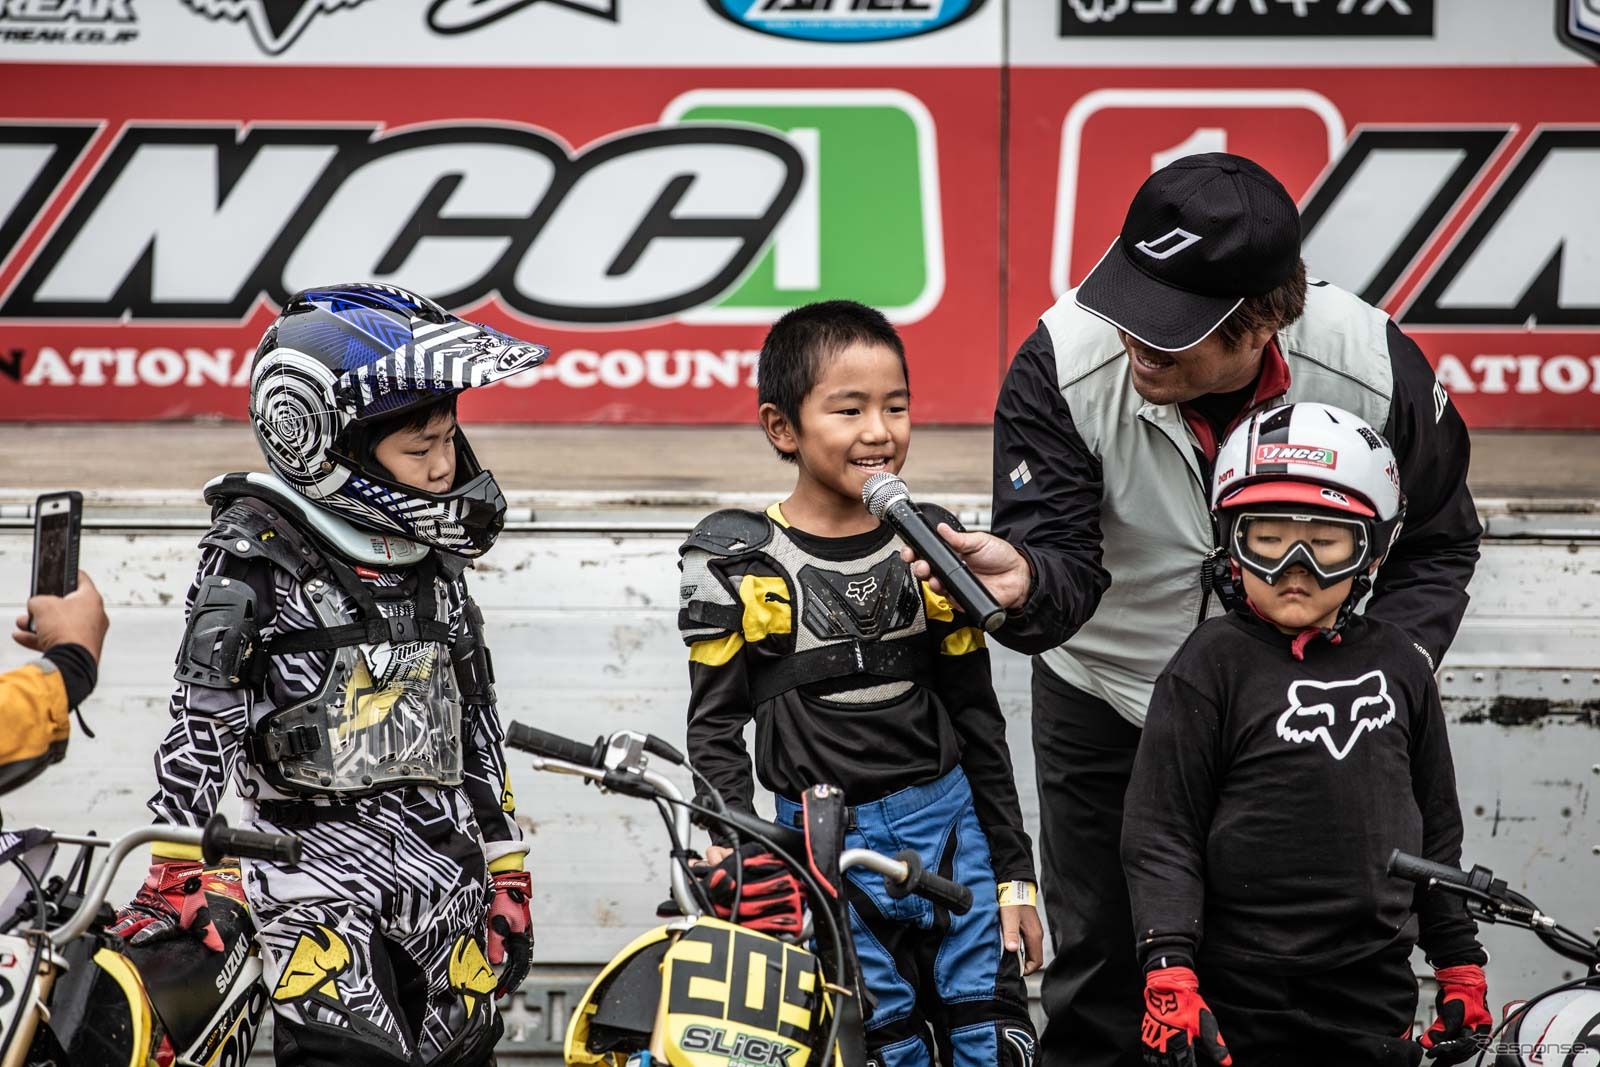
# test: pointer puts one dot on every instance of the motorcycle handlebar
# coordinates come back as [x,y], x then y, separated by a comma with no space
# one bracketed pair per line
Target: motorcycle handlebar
[553,746]
[219,840]
[276,847]
[1421,871]
[924,883]
[903,875]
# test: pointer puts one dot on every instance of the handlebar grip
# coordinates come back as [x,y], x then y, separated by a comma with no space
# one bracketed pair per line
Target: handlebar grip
[220,840]
[1416,869]
[554,746]
[929,886]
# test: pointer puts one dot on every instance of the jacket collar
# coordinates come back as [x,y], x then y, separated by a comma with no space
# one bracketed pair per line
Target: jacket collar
[1272,382]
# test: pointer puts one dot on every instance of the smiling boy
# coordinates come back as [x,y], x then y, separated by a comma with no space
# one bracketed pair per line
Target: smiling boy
[806,620]
[1291,746]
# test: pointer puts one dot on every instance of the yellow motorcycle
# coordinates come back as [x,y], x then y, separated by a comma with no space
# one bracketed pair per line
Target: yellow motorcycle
[703,992]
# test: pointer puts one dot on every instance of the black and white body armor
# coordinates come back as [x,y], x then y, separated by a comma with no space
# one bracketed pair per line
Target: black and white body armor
[369,693]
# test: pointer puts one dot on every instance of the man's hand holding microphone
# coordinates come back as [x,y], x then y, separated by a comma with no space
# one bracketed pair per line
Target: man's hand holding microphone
[983,574]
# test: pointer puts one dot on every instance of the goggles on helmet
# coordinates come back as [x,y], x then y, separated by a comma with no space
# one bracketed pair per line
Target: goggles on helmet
[1331,548]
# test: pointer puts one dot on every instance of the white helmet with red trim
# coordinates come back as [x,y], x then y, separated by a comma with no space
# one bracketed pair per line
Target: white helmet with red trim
[1312,463]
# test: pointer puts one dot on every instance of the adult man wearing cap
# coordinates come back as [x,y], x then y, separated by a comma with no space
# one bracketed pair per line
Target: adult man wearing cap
[1106,429]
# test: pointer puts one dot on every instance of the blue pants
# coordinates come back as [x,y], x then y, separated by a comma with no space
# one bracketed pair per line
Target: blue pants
[939,980]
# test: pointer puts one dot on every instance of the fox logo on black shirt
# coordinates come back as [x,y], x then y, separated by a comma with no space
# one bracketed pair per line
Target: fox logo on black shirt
[1337,713]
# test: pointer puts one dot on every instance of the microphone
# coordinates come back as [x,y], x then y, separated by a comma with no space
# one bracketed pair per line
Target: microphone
[887,497]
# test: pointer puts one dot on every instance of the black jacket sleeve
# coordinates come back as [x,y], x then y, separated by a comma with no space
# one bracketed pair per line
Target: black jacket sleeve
[719,708]
[1445,931]
[1166,820]
[1422,585]
[966,687]
[1047,489]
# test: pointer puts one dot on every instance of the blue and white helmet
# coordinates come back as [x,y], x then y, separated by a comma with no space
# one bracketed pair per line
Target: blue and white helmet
[340,358]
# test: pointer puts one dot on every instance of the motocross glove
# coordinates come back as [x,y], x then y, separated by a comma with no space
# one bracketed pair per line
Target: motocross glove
[510,928]
[173,899]
[769,899]
[1178,1028]
[1464,1021]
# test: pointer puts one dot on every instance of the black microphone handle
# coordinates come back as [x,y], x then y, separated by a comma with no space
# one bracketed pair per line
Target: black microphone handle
[958,581]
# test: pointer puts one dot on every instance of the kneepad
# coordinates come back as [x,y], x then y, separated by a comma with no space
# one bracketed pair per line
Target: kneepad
[219,646]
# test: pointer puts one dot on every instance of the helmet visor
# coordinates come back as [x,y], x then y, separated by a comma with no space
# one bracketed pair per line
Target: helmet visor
[1331,548]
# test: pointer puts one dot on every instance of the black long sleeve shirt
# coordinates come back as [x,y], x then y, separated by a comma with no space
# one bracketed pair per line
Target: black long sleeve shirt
[1268,793]
[822,732]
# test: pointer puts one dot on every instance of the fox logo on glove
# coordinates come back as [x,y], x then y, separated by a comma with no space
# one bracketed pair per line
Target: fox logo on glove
[1337,713]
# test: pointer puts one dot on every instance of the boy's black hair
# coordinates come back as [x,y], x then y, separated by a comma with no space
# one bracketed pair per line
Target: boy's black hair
[416,418]
[361,441]
[797,345]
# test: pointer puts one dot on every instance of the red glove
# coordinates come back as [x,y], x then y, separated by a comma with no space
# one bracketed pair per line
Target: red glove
[770,898]
[510,928]
[1179,1029]
[173,898]
[1464,1022]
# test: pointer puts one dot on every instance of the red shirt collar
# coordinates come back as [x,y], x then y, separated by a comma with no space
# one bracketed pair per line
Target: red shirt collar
[1271,383]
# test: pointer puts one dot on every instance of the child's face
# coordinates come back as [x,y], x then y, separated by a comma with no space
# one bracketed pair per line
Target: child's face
[1297,602]
[855,422]
[423,459]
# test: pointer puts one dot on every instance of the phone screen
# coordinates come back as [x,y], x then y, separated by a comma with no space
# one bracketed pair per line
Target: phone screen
[54,573]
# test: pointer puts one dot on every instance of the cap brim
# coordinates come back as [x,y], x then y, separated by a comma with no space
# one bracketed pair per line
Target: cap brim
[1296,493]
[1162,316]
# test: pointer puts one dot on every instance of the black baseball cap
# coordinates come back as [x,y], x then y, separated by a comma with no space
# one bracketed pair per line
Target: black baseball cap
[1202,233]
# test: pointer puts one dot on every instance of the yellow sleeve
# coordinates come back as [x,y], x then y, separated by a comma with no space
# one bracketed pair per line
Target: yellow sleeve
[34,719]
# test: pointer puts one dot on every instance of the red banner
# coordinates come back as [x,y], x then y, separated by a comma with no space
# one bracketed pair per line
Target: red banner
[647,225]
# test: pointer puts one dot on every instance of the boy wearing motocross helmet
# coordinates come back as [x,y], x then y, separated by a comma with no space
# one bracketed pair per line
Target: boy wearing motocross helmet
[334,666]
[805,619]
[1292,744]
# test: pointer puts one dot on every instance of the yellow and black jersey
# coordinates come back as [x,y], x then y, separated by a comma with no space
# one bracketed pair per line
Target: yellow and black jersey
[35,705]
[856,674]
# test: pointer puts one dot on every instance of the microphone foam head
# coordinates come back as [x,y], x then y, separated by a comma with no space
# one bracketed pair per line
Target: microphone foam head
[882,490]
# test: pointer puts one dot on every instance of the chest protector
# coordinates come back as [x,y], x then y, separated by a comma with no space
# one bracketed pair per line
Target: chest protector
[861,622]
[386,709]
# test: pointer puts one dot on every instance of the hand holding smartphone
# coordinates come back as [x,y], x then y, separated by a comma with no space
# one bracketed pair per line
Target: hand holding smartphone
[57,529]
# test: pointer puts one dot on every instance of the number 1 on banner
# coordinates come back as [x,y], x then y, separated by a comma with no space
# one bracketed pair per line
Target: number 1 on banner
[865,224]
[797,244]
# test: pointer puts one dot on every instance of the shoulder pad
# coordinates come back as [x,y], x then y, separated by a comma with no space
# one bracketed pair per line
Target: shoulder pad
[220,641]
[248,527]
[936,514]
[731,532]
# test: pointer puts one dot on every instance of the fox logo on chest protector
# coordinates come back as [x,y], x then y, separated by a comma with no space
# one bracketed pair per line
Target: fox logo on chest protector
[1336,713]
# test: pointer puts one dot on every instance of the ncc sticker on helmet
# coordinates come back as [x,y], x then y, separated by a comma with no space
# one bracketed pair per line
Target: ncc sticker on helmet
[1316,457]
[845,21]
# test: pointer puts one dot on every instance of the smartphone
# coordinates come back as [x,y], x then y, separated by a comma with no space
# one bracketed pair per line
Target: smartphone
[57,525]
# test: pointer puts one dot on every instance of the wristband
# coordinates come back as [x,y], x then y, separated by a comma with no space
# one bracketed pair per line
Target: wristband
[1017,894]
